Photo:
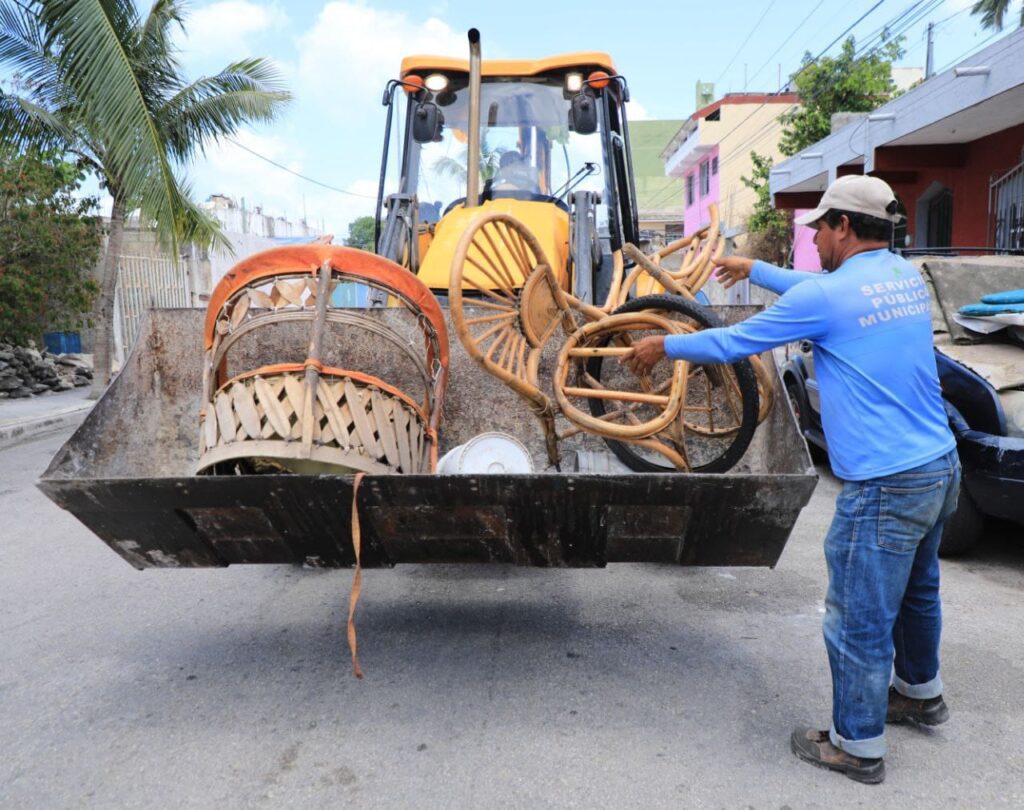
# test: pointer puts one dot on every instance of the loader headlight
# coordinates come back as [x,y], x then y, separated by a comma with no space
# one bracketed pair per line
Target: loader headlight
[436,82]
[573,82]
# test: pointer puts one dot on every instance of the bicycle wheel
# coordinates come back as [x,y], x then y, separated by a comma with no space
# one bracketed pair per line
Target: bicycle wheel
[716,422]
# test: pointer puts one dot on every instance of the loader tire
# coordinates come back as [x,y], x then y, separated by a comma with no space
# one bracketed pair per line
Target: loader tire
[728,450]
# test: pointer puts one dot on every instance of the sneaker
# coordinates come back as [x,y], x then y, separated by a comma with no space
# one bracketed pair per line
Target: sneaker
[816,747]
[903,709]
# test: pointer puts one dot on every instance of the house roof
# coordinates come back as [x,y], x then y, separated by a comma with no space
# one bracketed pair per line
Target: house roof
[981,95]
[691,123]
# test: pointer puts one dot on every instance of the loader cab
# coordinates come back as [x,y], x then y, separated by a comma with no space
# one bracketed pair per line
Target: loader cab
[554,153]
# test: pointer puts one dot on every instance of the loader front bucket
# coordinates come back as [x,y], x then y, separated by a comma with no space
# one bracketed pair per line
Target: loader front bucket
[127,474]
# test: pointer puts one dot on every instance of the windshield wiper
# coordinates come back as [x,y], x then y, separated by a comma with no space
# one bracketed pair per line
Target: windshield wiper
[588,169]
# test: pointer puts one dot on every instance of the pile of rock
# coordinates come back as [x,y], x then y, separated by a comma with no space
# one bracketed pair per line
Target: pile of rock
[25,372]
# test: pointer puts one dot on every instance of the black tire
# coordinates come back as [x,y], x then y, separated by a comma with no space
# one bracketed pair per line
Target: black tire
[963,528]
[734,446]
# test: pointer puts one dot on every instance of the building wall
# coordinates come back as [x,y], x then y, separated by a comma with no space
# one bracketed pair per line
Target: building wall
[982,160]
[696,214]
[737,126]
[749,128]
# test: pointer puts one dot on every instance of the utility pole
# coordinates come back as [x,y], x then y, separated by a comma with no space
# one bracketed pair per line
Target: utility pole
[929,62]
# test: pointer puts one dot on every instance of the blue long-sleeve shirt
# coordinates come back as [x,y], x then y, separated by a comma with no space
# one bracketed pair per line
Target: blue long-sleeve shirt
[870,324]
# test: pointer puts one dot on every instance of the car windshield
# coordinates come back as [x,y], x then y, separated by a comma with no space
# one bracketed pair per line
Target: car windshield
[525,146]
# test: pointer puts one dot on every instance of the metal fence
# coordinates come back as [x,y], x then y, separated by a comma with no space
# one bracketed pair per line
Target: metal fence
[144,282]
[1007,207]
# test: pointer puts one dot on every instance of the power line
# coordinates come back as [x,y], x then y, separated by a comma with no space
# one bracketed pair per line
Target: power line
[745,41]
[885,31]
[951,16]
[297,174]
[785,42]
[740,150]
[757,136]
[764,130]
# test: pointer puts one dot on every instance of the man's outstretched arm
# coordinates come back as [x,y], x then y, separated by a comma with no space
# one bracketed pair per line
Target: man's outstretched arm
[777,279]
[802,313]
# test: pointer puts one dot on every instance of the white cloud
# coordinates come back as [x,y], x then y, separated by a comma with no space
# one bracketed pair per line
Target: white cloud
[225,31]
[350,52]
[635,111]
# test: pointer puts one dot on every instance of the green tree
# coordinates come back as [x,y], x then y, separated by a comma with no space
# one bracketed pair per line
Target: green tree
[770,229]
[844,83]
[104,83]
[49,243]
[360,233]
[993,13]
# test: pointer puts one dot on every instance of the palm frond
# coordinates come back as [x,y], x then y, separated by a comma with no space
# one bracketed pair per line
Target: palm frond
[25,123]
[196,226]
[993,13]
[446,166]
[96,62]
[155,40]
[23,48]
[213,106]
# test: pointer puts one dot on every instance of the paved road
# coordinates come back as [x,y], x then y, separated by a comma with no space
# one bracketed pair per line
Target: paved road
[634,686]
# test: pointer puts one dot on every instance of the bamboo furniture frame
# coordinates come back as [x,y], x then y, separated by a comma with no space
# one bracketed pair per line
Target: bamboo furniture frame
[509,339]
[304,415]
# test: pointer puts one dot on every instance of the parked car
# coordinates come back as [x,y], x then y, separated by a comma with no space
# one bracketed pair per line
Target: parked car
[992,460]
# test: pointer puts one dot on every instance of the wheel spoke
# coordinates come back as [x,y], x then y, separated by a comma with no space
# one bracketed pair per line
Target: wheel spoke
[509,303]
[501,316]
[504,306]
[502,336]
[493,279]
[517,247]
[509,277]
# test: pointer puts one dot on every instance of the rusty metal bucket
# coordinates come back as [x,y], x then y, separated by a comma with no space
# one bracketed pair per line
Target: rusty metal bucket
[126,473]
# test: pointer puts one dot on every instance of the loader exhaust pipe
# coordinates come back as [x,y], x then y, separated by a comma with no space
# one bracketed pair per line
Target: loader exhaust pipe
[473,163]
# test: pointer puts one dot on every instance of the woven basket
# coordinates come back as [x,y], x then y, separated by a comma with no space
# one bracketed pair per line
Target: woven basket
[305,417]
[358,424]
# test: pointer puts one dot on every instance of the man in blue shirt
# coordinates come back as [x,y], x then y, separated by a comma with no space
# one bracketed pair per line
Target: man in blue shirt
[889,441]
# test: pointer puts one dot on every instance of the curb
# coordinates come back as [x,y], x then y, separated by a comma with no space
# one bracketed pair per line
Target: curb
[23,429]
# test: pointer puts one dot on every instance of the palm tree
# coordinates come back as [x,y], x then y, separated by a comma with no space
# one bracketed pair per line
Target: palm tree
[456,167]
[104,83]
[993,12]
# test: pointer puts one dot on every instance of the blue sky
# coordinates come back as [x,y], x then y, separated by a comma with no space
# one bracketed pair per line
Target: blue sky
[337,57]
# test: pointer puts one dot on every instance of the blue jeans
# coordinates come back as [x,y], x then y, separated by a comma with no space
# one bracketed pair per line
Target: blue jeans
[882,611]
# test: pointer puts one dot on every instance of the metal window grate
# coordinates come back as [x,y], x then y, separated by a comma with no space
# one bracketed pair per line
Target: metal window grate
[1006,199]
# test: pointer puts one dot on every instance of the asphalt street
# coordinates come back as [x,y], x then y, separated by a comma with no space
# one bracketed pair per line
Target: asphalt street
[631,686]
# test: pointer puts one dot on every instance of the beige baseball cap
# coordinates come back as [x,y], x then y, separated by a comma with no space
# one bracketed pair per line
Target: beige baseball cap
[858,193]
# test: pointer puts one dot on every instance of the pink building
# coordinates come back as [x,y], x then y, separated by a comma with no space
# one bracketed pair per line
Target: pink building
[700,189]
[711,154]
[805,254]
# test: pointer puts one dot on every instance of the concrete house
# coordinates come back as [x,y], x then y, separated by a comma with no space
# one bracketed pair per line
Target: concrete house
[952,148]
[710,152]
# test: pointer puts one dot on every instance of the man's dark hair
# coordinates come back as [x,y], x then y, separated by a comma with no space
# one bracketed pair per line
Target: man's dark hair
[868,228]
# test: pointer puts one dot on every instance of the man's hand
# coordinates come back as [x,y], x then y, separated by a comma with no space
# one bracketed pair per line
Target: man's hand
[733,269]
[646,352]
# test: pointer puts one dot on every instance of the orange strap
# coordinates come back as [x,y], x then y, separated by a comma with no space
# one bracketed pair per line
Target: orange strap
[357,580]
